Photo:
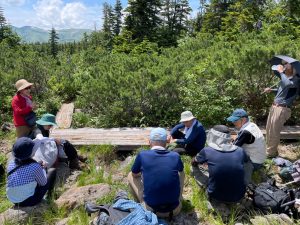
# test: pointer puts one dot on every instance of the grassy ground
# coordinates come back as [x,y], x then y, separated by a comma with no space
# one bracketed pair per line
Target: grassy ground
[103,166]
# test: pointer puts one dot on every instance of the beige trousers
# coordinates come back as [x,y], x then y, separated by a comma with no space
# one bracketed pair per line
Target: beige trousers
[277,117]
[137,189]
[23,131]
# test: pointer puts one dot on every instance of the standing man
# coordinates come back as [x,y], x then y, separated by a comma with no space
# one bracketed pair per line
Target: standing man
[280,110]
[156,178]
[189,135]
[251,139]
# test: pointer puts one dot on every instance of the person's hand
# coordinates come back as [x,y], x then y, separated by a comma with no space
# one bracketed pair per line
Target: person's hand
[280,68]
[169,138]
[58,141]
[267,90]
[43,164]
[194,162]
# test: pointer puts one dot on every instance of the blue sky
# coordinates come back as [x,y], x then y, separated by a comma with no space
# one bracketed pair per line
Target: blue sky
[60,13]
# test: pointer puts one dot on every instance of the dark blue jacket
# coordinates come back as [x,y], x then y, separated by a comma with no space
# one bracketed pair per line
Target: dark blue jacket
[226,173]
[196,140]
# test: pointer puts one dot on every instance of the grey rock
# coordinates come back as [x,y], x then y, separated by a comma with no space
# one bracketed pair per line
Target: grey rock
[125,163]
[259,220]
[77,196]
[185,219]
[18,215]
[286,218]
[271,219]
[62,222]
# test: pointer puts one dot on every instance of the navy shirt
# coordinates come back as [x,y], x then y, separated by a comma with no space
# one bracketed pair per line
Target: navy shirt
[160,170]
[195,141]
[226,173]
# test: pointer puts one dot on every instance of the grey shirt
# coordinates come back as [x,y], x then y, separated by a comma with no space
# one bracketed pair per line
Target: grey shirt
[287,91]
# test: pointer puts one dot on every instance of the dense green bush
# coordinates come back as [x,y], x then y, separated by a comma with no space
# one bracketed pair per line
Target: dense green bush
[140,84]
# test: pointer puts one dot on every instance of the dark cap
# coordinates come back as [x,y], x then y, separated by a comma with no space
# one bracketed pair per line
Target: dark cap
[23,148]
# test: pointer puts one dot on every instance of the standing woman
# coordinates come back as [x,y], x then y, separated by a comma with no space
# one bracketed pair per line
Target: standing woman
[23,107]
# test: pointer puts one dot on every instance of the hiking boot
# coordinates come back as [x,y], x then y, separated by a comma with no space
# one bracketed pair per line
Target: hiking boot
[74,164]
[82,158]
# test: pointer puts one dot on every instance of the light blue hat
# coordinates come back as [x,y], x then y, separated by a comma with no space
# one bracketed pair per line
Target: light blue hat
[158,134]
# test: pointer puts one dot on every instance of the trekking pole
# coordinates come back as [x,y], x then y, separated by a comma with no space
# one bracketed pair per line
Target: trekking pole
[288,203]
[291,182]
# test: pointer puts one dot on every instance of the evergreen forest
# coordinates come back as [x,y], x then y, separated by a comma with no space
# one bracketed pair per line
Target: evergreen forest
[154,59]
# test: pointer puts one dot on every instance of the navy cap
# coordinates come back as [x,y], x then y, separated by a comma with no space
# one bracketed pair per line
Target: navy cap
[23,148]
[237,114]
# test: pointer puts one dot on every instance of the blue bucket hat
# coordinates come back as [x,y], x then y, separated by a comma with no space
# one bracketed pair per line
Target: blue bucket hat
[237,114]
[47,119]
[158,134]
[23,148]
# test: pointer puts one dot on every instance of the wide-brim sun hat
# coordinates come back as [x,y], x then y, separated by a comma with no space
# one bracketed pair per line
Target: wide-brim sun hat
[47,119]
[186,116]
[22,84]
[219,138]
[23,148]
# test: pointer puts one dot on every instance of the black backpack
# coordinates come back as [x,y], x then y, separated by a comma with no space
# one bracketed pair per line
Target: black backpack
[267,197]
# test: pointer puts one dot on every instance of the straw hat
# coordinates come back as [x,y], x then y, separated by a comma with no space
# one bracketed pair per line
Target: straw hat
[22,84]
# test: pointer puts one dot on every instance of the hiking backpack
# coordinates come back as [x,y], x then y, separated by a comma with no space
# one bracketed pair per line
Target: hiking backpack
[267,197]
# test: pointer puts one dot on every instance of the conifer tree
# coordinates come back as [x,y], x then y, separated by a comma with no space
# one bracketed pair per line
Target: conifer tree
[6,33]
[2,24]
[117,18]
[108,25]
[143,19]
[53,42]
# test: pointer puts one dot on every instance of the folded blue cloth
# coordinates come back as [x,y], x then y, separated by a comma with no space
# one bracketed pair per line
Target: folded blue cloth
[138,216]
[282,162]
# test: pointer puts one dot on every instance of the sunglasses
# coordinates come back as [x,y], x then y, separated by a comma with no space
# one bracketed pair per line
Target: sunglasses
[28,88]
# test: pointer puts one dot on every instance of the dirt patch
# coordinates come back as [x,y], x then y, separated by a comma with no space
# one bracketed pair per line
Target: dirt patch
[290,151]
[5,147]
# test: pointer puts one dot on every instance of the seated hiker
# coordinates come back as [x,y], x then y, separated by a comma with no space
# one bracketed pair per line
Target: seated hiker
[192,139]
[27,181]
[225,166]
[251,139]
[42,129]
[156,178]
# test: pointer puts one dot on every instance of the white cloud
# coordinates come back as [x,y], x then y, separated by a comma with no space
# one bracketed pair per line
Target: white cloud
[57,14]
[73,14]
[12,2]
[48,12]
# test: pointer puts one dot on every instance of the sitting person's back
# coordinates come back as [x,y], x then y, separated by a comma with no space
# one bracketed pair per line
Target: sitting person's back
[225,166]
[157,177]
[160,177]
[27,181]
